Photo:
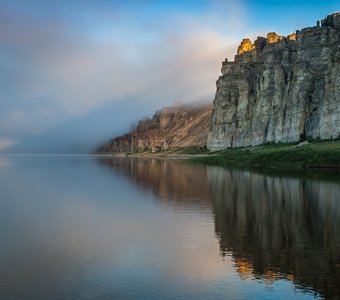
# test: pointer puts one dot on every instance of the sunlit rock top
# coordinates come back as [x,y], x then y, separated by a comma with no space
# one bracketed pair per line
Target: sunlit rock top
[245,46]
[273,37]
[332,20]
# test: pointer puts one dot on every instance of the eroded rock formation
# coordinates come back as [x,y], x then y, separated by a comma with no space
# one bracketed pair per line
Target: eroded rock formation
[169,128]
[280,89]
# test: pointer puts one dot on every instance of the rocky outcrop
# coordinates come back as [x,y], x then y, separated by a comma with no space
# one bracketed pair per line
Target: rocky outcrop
[245,46]
[170,128]
[280,89]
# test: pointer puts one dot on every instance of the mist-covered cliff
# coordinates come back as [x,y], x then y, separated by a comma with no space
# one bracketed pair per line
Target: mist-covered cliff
[280,89]
[171,127]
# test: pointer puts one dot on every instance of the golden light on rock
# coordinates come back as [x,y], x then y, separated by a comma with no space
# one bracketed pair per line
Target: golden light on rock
[292,37]
[245,46]
[273,37]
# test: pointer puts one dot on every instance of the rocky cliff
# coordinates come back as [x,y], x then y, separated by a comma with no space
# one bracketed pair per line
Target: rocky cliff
[280,89]
[169,128]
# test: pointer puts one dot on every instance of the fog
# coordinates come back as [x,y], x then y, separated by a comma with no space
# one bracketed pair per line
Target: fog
[76,73]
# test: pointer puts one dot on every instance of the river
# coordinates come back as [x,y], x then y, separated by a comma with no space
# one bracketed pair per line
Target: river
[89,227]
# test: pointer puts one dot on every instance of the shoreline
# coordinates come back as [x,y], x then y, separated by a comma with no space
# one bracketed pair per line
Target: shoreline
[171,154]
[314,155]
[309,156]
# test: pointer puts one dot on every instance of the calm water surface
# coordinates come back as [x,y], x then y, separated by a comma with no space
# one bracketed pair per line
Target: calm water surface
[82,227]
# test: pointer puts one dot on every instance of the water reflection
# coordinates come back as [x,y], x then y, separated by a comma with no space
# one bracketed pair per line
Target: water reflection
[273,227]
[279,227]
[71,229]
[168,180]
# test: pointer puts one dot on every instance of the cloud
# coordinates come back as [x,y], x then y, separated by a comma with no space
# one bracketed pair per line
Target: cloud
[63,61]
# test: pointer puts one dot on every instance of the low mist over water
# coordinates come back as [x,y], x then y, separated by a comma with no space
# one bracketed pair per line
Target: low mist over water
[86,227]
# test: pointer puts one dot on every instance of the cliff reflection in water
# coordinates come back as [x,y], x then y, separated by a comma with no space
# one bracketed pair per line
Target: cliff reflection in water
[168,180]
[273,227]
[279,227]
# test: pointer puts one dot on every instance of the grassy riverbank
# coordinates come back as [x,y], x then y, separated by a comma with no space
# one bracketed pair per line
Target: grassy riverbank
[180,153]
[287,156]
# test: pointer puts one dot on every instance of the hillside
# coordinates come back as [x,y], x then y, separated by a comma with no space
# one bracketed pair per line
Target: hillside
[170,128]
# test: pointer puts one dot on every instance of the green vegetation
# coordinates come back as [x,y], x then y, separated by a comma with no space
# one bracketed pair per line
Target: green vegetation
[283,156]
[192,150]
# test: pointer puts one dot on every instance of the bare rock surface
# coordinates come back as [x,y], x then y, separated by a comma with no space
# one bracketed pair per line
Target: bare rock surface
[170,128]
[280,89]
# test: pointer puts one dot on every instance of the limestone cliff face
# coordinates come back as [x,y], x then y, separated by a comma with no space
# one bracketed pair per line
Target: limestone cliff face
[171,127]
[280,89]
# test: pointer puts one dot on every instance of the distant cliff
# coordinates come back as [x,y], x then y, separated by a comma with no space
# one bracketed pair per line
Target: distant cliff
[169,128]
[280,89]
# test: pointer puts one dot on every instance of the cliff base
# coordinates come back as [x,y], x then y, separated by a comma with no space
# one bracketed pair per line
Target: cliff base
[305,155]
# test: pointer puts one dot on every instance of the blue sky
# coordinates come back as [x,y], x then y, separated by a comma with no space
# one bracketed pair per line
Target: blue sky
[65,60]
